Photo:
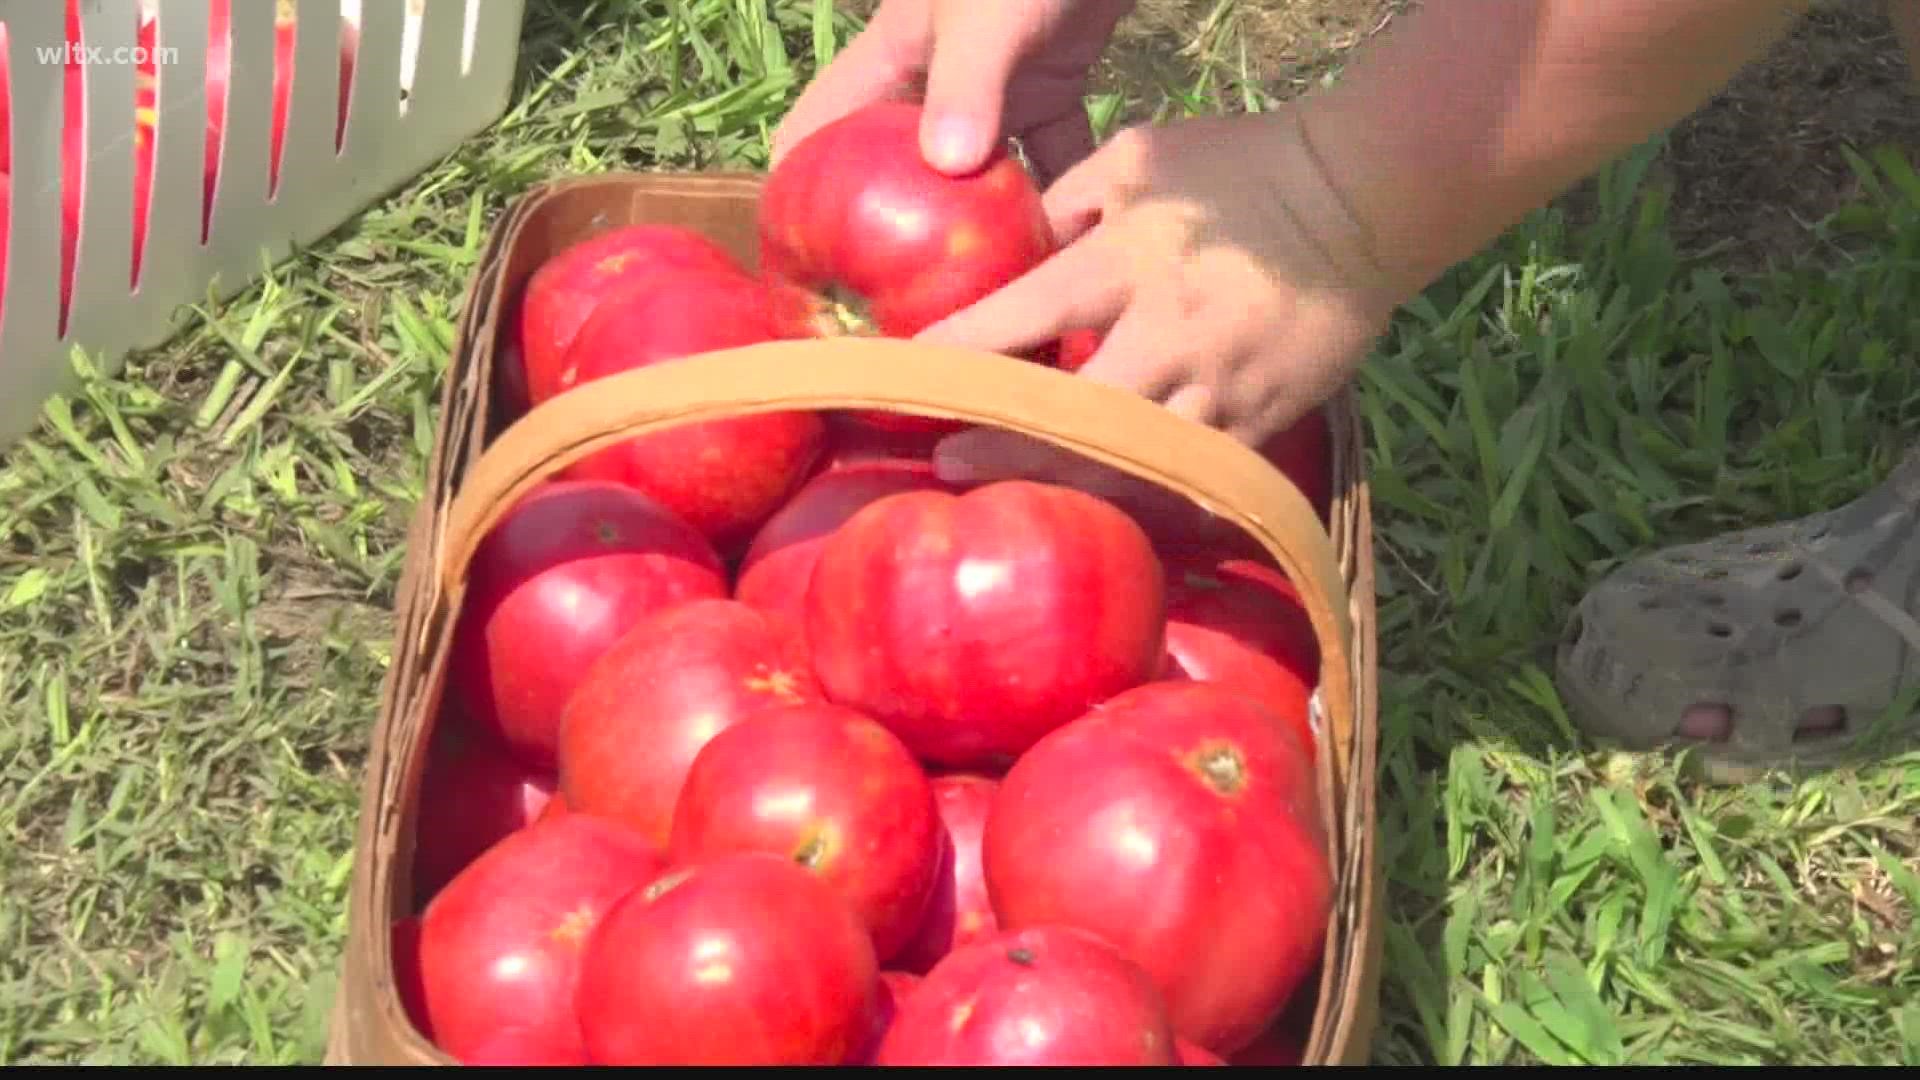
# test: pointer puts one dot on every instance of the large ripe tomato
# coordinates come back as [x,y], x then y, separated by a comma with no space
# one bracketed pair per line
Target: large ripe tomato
[1277,1046]
[830,790]
[724,477]
[564,575]
[525,1048]
[779,563]
[852,442]
[284,22]
[1178,821]
[1304,452]
[6,216]
[219,71]
[1075,348]
[406,974]
[854,214]
[73,153]
[960,912]
[145,118]
[1241,624]
[744,960]
[473,793]
[1186,1053]
[6,108]
[349,53]
[501,945]
[973,624]
[1046,995]
[556,807]
[669,315]
[565,290]
[673,682]
[892,988]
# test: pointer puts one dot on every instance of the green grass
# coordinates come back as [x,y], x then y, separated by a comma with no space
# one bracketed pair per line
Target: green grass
[1566,401]
[197,559]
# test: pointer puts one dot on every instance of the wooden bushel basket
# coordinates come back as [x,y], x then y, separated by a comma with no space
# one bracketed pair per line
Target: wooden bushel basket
[478,471]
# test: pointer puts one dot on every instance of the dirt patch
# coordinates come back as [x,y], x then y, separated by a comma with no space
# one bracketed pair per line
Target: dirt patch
[1287,45]
[1767,150]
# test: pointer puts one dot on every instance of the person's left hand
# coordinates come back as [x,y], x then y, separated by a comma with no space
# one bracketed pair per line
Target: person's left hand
[1226,277]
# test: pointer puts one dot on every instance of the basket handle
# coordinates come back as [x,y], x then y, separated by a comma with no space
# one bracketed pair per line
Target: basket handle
[1105,424]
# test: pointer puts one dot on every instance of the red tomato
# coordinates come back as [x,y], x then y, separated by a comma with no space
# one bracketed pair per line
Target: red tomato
[143,145]
[855,214]
[779,563]
[744,960]
[526,1047]
[406,973]
[829,789]
[1186,1053]
[888,993]
[724,477]
[1187,535]
[1048,995]
[566,289]
[501,945]
[73,148]
[556,807]
[349,52]
[6,215]
[1178,821]
[473,793]
[973,624]
[219,57]
[1241,624]
[219,68]
[960,912]
[1276,1046]
[283,34]
[563,575]
[676,680]
[854,210]
[146,103]
[1075,348]
[1305,453]
[851,442]
[73,152]
[669,315]
[6,108]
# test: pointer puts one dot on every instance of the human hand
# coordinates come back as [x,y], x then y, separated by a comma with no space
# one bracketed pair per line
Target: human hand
[989,69]
[1222,269]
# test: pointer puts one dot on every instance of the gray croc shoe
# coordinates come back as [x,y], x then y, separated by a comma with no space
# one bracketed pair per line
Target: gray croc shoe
[1775,647]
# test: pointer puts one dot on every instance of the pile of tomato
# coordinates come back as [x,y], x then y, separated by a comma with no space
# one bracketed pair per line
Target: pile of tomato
[763,744]
[145,120]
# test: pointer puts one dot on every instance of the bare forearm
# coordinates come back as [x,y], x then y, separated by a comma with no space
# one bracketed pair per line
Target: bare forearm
[1470,113]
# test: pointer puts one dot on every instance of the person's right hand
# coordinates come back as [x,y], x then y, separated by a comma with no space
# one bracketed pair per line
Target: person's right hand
[991,69]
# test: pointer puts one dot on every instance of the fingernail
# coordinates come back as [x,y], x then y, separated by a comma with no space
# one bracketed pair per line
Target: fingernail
[951,144]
